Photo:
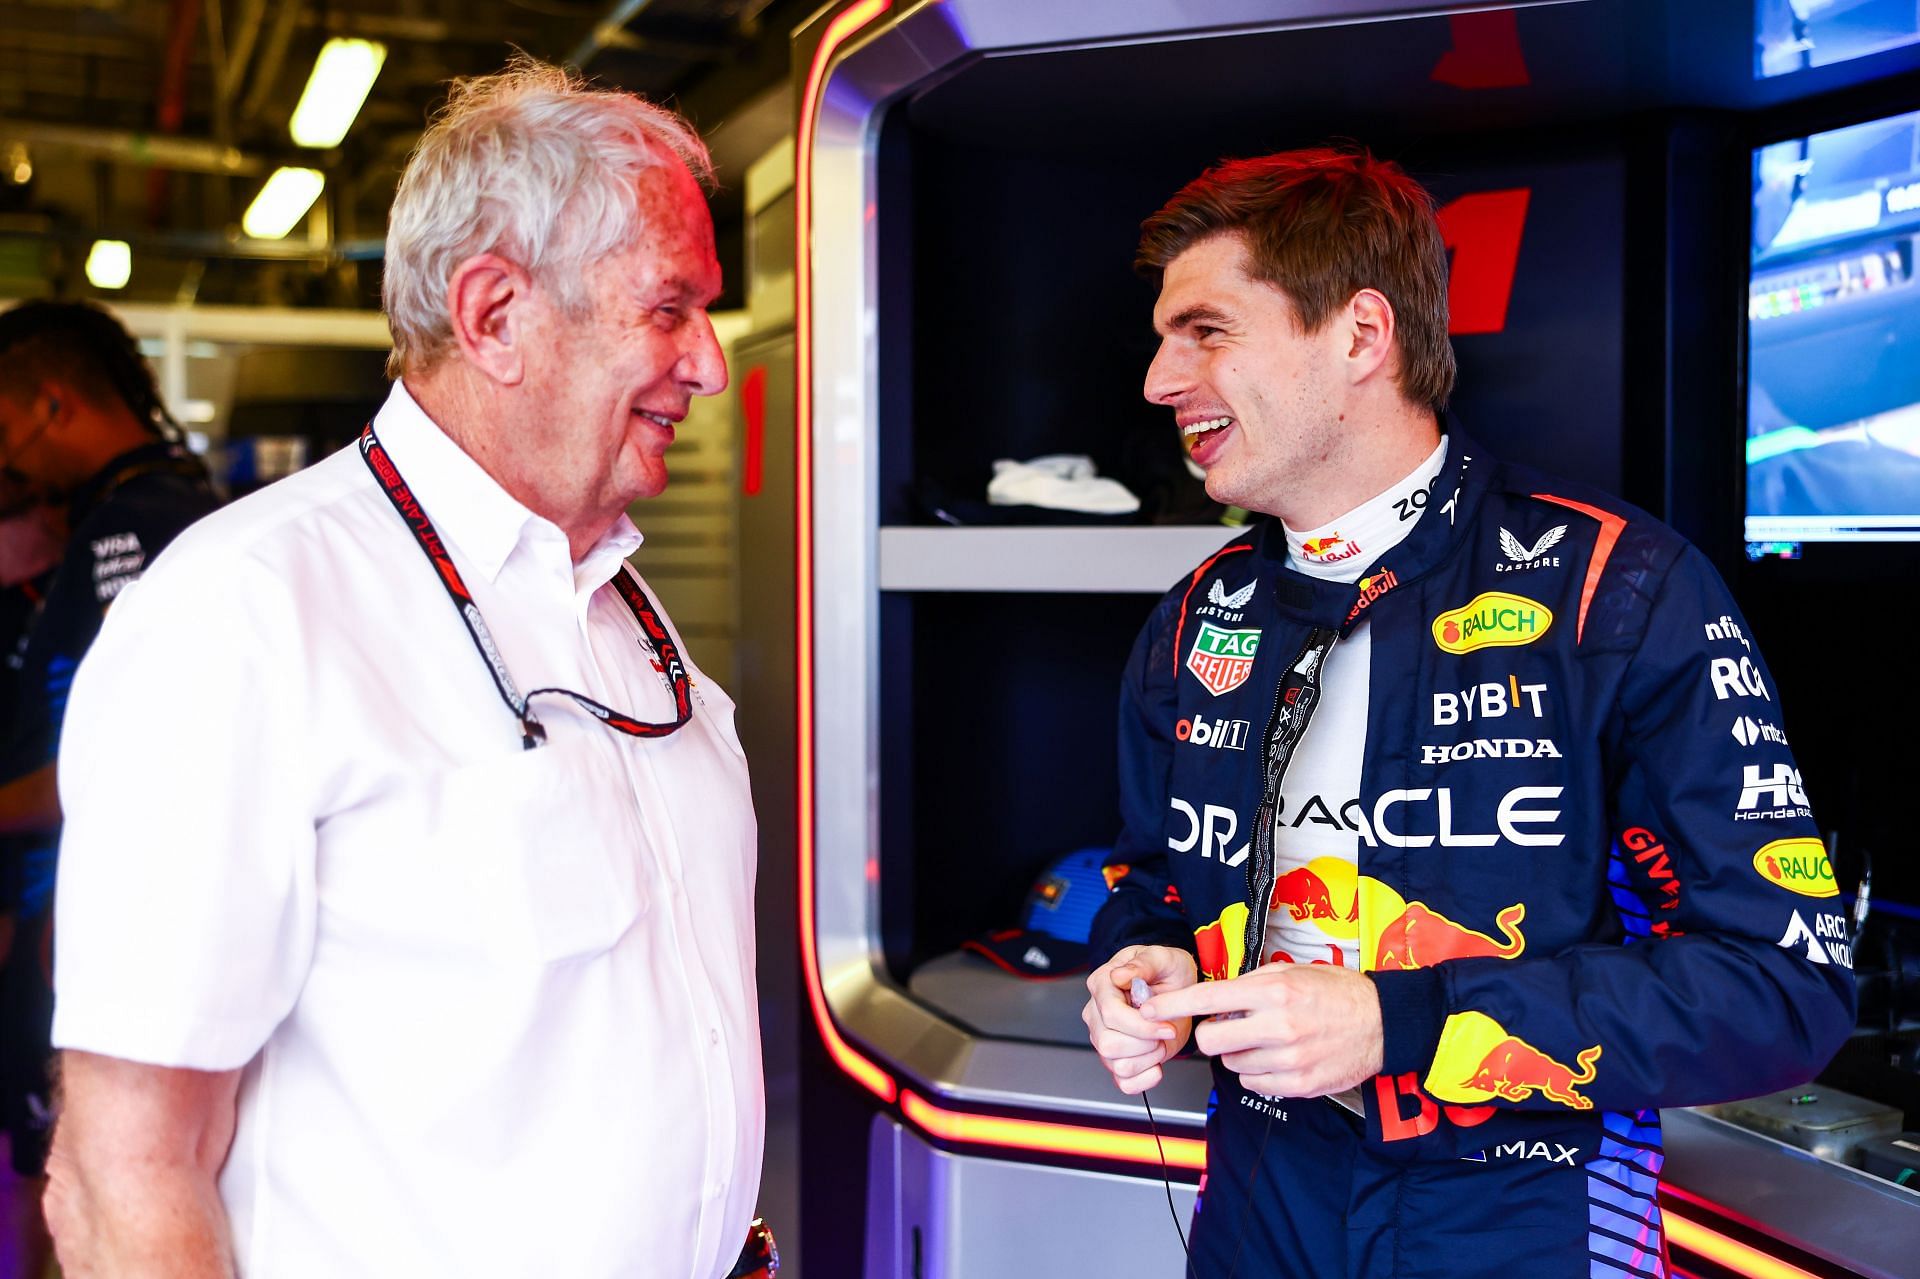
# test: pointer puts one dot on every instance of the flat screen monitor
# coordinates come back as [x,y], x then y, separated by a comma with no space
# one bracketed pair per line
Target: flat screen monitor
[1833,338]
[1793,35]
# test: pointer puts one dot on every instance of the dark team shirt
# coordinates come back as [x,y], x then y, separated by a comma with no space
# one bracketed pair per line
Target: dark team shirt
[120,519]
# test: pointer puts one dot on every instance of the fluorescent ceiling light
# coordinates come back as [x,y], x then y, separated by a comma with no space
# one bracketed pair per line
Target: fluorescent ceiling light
[109,264]
[342,76]
[285,199]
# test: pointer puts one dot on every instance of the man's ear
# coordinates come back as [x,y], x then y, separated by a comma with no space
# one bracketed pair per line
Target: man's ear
[490,304]
[1370,322]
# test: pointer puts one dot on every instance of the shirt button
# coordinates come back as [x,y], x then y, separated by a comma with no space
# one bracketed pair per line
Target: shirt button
[713,1037]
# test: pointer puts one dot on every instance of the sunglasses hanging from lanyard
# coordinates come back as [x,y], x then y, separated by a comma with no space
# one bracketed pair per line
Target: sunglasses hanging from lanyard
[532,732]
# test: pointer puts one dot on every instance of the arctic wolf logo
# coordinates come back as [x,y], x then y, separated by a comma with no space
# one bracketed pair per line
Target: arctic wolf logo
[1520,553]
[1218,595]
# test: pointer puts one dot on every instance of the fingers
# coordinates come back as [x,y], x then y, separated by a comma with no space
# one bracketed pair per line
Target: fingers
[1206,999]
[1163,967]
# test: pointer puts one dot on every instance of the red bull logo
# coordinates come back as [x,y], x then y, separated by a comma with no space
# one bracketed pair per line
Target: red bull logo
[1329,550]
[1222,659]
[1306,896]
[1220,945]
[1372,588]
[1479,1060]
[1422,937]
[1515,1069]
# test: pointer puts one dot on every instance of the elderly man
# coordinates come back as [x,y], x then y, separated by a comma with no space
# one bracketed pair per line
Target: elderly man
[404,919]
[1505,861]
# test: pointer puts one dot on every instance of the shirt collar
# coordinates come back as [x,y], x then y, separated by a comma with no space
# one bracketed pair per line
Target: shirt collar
[1342,549]
[470,508]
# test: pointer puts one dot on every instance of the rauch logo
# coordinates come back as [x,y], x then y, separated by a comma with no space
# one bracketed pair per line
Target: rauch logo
[1493,620]
[1797,865]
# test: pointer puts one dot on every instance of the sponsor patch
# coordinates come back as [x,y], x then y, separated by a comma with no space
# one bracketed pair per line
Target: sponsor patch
[1219,594]
[1521,557]
[1221,659]
[1420,937]
[1328,550]
[1371,589]
[1726,629]
[1825,943]
[1490,748]
[1478,1060]
[1488,701]
[1749,731]
[1773,794]
[1736,679]
[1220,945]
[1797,865]
[1221,734]
[1210,832]
[1494,619]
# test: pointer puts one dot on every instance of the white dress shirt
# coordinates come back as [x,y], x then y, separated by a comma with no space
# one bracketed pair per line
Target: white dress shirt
[495,1006]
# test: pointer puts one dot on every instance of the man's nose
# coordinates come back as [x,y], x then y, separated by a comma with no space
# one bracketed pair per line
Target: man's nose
[1169,376]
[703,365]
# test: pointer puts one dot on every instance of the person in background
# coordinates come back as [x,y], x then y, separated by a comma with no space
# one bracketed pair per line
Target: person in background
[1451,790]
[98,482]
[405,901]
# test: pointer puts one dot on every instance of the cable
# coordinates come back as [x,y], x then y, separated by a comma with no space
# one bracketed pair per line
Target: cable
[1246,1203]
[1167,1181]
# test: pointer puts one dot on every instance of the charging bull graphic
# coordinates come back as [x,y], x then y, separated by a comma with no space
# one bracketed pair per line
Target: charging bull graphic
[1306,896]
[1479,1061]
[1515,1069]
[1221,944]
[1422,937]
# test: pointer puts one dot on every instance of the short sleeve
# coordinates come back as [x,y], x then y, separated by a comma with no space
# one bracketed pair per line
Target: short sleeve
[185,910]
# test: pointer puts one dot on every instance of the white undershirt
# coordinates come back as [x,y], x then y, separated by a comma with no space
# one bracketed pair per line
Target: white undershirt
[1316,832]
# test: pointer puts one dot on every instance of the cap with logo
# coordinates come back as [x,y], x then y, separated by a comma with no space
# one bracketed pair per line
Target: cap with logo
[1055,922]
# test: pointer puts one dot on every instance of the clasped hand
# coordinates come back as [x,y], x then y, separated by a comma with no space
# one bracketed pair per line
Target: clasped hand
[1287,1030]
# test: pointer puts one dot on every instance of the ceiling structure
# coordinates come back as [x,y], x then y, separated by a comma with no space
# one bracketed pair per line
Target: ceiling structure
[156,121]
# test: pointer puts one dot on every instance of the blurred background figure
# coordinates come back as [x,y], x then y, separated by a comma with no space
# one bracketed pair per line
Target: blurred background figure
[93,482]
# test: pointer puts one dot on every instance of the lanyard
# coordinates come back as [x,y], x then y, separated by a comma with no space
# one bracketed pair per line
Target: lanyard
[532,732]
[1293,706]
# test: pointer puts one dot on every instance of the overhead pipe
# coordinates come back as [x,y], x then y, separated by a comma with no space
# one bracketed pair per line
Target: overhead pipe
[274,52]
[170,99]
[143,150]
[612,25]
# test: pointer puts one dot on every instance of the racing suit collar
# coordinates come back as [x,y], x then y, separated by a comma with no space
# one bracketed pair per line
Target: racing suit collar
[160,455]
[1457,492]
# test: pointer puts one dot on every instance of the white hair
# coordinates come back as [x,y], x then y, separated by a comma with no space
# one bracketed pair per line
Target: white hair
[529,163]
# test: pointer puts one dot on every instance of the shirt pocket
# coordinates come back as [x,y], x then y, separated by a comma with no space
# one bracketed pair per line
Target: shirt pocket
[557,850]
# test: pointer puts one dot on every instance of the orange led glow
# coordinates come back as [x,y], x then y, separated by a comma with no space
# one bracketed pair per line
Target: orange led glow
[1050,1138]
[1742,1259]
[866,1073]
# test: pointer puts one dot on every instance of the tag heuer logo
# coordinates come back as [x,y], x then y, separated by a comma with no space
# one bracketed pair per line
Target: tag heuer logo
[1222,659]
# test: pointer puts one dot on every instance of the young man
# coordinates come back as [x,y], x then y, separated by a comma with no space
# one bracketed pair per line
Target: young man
[421,942]
[1430,776]
[86,438]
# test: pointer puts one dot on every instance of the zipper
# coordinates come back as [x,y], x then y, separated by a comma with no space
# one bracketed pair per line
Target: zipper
[1283,735]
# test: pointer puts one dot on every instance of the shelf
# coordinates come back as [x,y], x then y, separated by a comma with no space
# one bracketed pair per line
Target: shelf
[1114,560]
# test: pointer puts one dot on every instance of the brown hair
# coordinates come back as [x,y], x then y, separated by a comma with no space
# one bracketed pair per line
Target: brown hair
[1320,225]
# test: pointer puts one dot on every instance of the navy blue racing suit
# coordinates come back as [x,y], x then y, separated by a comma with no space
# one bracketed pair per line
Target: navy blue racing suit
[118,521]
[1588,886]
